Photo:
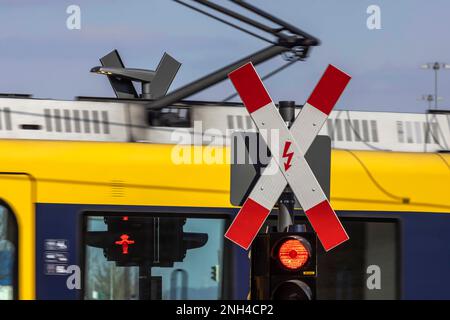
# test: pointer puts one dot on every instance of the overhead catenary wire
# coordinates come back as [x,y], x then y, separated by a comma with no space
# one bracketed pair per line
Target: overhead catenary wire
[225,22]
[404,200]
[443,159]
[265,77]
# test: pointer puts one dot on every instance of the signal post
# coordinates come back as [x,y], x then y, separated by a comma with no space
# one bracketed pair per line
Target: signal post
[283,263]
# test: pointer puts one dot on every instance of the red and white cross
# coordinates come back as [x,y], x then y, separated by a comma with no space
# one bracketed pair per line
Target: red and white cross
[289,158]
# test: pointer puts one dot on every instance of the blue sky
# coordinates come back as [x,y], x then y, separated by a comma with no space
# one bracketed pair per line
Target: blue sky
[39,55]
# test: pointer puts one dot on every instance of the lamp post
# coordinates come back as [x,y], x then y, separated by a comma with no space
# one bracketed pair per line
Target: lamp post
[430,98]
[436,66]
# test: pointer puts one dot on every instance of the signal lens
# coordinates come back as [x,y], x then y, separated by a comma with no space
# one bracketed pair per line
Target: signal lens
[293,254]
[292,290]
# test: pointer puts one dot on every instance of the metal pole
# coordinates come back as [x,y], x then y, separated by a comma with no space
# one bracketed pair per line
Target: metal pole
[146,91]
[144,281]
[111,281]
[184,284]
[436,87]
[215,77]
[286,202]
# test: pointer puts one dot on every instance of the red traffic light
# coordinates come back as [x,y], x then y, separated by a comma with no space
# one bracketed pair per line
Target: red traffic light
[293,253]
[124,242]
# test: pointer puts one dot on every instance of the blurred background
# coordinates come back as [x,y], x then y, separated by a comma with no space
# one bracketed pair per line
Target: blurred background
[41,56]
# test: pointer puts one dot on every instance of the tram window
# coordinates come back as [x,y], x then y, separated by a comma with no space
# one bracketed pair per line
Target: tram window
[154,266]
[365,267]
[8,257]
[351,271]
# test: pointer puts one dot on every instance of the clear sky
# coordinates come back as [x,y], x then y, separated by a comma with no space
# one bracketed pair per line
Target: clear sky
[39,55]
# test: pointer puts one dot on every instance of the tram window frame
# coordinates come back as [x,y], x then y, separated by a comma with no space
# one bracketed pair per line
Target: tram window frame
[227,255]
[13,237]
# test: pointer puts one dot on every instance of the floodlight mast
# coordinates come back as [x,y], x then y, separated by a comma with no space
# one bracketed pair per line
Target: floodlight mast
[290,39]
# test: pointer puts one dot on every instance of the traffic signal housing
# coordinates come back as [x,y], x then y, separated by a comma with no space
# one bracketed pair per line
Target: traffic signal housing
[135,240]
[284,266]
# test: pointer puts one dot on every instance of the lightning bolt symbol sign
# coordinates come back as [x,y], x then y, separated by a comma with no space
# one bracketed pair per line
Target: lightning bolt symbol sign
[287,155]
